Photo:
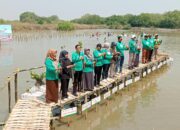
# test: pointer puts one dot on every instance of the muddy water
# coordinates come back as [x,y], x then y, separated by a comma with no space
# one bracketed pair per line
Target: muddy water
[150,104]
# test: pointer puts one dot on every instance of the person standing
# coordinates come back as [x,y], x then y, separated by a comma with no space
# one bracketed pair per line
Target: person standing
[52,70]
[145,52]
[132,49]
[77,60]
[137,54]
[106,60]
[98,57]
[157,43]
[120,48]
[66,72]
[88,81]
[115,55]
[151,49]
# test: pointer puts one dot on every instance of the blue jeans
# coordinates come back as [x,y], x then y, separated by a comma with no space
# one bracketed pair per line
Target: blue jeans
[119,64]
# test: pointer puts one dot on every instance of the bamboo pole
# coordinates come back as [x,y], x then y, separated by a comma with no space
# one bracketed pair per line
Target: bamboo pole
[16,89]
[9,94]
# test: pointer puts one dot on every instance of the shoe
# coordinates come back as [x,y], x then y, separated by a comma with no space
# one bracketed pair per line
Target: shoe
[90,90]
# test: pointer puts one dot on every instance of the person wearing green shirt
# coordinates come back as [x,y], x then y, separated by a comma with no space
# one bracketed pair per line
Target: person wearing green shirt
[151,41]
[157,43]
[106,60]
[77,60]
[145,48]
[120,48]
[98,57]
[52,71]
[132,49]
[88,69]
[137,54]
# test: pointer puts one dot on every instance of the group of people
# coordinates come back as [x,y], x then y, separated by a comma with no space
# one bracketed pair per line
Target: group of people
[87,69]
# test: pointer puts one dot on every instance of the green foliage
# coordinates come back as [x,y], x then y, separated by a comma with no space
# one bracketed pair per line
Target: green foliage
[31,17]
[167,20]
[65,26]
[37,76]
[89,19]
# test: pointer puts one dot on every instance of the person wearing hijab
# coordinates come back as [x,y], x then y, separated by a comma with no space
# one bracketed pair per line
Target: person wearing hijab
[66,72]
[88,81]
[145,48]
[115,54]
[106,60]
[151,41]
[98,57]
[137,54]
[157,43]
[77,59]
[52,70]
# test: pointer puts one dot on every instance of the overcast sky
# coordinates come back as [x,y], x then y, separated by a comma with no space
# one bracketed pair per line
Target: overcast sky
[69,9]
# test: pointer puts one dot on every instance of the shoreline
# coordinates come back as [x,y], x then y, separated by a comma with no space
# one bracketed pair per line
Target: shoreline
[21,27]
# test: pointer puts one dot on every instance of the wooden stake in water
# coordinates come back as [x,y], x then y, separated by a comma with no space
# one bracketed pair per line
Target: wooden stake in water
[9,94]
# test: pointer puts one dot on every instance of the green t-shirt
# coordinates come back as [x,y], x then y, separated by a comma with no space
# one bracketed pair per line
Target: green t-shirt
[146,44]
[88,67]
[51,72]
[132,46]
[77,61]
[120,47]
[97,57]
[107,58]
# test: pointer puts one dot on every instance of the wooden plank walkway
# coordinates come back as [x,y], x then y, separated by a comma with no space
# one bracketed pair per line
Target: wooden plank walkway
[36,115]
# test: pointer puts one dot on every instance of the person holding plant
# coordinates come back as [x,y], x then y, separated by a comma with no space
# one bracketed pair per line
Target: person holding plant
[98,57]
[106,60]
[52,70]
[66,72]
[77,59]
[88,71]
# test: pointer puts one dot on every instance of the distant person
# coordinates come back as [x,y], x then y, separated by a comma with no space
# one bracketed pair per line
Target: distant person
[137,54]
[98,57]
[151,42]
[132,49]
[88,81]
[145,49]
[120,47]
[77,59]
[115,55]
[106,60]
[66,72]
[157,43]
[52,70]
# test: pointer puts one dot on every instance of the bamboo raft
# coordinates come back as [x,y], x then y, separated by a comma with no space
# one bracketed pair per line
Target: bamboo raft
[36,115]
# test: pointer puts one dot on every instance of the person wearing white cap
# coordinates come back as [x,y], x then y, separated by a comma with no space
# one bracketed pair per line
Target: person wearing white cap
[106,60]
[132,50]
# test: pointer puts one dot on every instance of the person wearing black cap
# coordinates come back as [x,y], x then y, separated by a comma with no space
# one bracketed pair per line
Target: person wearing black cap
[66,72]
[98,57]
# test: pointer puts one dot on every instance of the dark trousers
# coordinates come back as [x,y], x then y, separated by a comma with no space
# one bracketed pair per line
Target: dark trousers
[97,75]
[121,63]
[64,87]
[105,71]
[77,84]
[136,62]
[150,55]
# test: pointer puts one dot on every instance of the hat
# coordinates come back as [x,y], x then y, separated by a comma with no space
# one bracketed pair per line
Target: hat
[145,35]
[156,34]
[133,36]
[113,44]
[119,36]
[106,45]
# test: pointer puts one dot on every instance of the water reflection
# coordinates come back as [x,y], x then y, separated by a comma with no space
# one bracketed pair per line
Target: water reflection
[122,108]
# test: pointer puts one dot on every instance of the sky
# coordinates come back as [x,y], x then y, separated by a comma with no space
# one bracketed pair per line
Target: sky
[70,9]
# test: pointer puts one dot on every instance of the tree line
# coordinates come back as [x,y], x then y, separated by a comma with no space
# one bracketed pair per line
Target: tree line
[169,19]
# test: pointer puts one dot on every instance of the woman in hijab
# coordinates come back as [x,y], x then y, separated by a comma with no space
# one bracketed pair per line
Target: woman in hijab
[66,72]
[88,68]
[52,70]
